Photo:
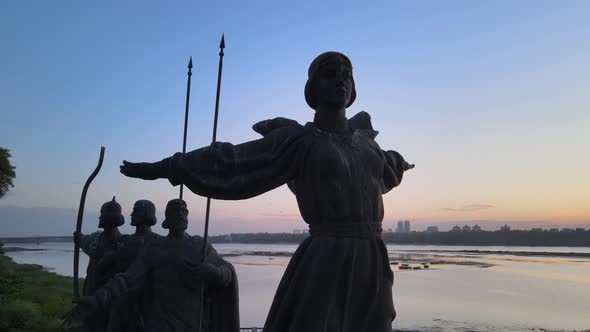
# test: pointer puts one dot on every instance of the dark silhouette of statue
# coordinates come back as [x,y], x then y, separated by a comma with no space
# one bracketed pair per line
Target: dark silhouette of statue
[100,248]
[339,279]
[170,269]
[128,311]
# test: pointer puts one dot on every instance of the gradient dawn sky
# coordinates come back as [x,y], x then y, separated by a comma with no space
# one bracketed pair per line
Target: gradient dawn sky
[490,100]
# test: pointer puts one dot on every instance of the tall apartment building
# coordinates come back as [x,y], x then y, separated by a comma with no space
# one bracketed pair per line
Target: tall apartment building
[400,227]
[407,226]
[403,226]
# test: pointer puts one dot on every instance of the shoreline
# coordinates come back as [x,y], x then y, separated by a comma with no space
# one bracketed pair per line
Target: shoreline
[514,253]
[416,251]
[20,249]
[515,238]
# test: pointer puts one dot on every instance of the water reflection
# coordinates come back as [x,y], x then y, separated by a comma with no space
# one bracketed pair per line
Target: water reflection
[458,291]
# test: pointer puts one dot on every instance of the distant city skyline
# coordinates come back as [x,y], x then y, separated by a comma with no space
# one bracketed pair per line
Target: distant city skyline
[22,222]
[488,99]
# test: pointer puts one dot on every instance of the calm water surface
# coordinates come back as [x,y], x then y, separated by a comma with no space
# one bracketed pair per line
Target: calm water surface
[488,292]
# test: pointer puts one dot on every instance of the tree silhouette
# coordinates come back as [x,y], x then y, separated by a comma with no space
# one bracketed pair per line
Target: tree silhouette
[6,172]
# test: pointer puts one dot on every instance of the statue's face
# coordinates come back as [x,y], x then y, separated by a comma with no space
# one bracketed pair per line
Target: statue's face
[138,215]
[333,83]
[177,215]
[109,217]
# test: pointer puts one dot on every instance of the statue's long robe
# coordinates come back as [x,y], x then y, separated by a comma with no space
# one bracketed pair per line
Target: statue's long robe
[339,278]
[97,246]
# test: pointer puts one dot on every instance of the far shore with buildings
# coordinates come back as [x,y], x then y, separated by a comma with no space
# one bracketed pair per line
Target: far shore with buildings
[404,226]
[459,234]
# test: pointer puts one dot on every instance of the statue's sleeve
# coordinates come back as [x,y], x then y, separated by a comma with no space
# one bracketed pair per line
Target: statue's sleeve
[393,170]
[123,283]
[88,243]
[232,172]
[223,298]
[227,270]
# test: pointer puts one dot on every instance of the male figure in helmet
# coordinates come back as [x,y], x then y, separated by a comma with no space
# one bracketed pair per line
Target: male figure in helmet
[98,246]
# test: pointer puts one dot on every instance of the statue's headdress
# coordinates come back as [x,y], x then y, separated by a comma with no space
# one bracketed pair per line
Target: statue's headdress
[111,209]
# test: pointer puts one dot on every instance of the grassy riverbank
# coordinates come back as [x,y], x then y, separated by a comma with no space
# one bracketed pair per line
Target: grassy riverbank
[32,299]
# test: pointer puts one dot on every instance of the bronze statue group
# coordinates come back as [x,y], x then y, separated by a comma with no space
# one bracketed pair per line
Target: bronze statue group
[147,282]
[338,280]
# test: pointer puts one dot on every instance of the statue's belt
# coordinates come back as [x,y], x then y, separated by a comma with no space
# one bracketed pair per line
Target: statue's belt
[361,230]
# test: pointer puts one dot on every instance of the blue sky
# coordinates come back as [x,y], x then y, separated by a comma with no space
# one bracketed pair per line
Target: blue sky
[489,99]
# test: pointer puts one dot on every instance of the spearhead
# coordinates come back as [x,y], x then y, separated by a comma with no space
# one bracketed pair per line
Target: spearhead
[190,63]
[222,45]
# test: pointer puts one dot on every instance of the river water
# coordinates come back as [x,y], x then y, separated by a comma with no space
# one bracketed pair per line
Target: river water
[460,291]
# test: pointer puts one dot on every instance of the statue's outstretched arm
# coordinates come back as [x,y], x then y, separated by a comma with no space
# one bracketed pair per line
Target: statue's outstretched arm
[394,167]
[145,171]
[228,171]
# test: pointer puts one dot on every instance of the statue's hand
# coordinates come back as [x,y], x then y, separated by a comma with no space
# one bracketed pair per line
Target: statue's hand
[145,171]
[204,271]
[408,166]
[86,306]
[78,238]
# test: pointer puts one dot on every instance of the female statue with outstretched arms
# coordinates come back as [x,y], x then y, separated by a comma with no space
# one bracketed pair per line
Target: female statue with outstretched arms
[339,278]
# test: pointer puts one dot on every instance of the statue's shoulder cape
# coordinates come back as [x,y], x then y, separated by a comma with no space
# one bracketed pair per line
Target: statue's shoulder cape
[360,122]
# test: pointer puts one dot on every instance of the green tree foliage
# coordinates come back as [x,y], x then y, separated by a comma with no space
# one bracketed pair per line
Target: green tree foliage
[6,172]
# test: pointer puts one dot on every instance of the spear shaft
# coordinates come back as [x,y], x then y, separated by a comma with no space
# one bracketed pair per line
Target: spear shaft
[79,223]
[219,72]
[208,210]
[186,107]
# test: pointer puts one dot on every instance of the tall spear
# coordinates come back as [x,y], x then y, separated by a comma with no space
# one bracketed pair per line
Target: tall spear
[186,107]
[206,232]
[221,47]
[79,223]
